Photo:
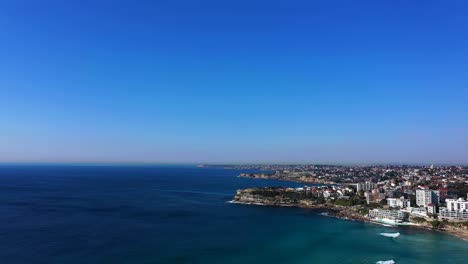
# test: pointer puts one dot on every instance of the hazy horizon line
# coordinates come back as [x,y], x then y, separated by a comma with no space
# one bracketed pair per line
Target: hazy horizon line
[156,163]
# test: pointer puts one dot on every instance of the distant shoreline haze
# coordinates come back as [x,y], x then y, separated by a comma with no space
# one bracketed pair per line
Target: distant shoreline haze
[226,164]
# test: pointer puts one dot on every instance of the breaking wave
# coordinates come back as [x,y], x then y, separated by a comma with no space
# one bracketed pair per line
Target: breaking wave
[394,235]
[385,262]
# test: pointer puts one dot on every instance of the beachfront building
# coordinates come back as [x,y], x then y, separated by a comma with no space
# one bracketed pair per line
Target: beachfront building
[393,215]
[418,211]
[425,197]
[459,204]
[431,209]
[447,214]
[456,209]
[398,202]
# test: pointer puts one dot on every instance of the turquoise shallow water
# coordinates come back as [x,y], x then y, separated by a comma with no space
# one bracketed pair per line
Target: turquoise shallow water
[75,214]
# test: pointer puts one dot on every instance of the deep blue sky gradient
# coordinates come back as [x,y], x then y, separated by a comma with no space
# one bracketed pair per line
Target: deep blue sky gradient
[234,81]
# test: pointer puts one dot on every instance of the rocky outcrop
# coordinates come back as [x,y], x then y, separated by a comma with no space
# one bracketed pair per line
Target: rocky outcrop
[271,197]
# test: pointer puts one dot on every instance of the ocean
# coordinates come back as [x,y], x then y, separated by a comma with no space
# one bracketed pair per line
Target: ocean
[180,214]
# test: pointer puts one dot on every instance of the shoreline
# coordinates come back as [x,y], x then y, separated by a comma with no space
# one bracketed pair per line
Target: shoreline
[345,215]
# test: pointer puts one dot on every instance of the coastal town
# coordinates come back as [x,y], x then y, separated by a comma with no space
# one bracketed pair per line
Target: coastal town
[433,197]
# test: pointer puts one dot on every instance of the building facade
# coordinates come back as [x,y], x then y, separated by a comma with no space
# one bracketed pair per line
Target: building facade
[456,204]
[446,214]
[456,209]
[369,197]
[398,202]
[419,211]
[431,209]
[365,186]
[425,197]
[394,215]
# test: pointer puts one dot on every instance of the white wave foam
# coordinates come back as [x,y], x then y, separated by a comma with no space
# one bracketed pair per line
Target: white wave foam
[385,262]
[394,235]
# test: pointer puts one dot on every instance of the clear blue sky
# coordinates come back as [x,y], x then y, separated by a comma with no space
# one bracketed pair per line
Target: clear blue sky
[234,81]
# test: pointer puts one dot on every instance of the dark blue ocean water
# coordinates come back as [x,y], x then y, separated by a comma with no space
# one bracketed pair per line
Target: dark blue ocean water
[179,214]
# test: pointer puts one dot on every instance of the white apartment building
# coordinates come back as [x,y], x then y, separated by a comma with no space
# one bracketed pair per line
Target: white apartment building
[431,209]
[425,197]
[398,202]
[419,211]
[365,186]
[459,204]
[446,214]
[395,215]
[456,209]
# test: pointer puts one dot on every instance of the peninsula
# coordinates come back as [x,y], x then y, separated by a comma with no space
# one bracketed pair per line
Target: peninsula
[421,196]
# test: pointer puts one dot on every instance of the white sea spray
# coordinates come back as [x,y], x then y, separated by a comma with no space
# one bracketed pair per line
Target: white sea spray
[394,235]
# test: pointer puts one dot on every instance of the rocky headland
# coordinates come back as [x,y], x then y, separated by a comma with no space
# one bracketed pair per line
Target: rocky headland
[290,197]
